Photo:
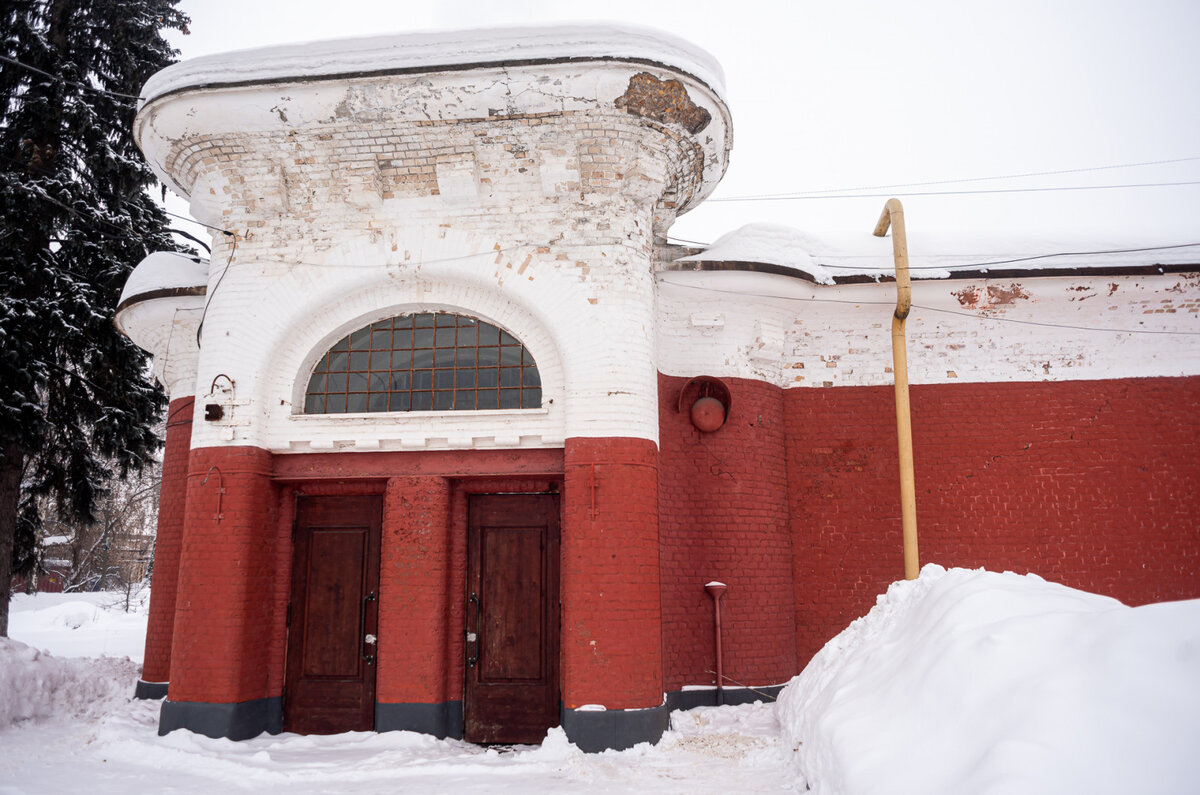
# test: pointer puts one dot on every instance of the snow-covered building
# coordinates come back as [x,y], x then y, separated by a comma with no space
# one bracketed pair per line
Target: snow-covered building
[456,438]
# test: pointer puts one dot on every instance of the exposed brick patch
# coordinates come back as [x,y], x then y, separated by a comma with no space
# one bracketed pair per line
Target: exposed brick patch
[663,101]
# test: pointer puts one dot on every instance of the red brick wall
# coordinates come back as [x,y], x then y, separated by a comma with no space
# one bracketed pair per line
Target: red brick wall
[160,625]
[225,614]
[723,515]
[415,592]
[1095,484]
[612,625]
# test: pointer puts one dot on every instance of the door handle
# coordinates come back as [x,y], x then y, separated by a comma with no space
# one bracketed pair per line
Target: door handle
[369,659]
[473,637]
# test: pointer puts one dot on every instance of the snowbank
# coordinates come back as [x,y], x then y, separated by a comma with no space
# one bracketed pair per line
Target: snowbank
[972,681]
[35,685]
[93,624]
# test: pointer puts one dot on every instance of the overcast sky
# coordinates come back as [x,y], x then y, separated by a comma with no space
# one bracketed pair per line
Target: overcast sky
[840,94]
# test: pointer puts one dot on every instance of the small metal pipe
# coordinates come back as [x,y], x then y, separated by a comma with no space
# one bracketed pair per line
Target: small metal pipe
[716,590]
[893,216]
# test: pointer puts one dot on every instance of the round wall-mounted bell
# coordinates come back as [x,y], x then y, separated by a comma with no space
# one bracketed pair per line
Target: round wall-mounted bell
[708,414]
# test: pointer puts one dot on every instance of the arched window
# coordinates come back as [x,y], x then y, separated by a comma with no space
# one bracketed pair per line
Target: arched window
[424,362]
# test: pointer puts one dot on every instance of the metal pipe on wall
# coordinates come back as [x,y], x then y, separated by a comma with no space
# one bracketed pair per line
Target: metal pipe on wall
[716,590]
[893,216]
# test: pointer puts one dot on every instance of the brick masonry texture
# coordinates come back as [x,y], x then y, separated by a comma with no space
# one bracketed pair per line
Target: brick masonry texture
[1095,484]
[723,515]
[611,604]
[160,625]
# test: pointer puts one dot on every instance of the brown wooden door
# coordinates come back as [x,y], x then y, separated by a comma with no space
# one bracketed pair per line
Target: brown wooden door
[334,616]
[511,692]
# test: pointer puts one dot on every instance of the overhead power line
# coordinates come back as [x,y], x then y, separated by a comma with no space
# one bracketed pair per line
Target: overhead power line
[1025,175]
[807,197]
[58,79]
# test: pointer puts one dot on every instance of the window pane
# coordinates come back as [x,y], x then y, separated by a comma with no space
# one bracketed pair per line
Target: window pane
[510,355]
[428,361]
[338,361]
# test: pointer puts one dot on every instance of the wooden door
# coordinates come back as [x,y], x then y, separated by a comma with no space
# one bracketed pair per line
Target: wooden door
[334,616]
[511,692]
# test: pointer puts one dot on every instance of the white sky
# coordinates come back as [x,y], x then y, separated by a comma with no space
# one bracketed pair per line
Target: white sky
[841,94]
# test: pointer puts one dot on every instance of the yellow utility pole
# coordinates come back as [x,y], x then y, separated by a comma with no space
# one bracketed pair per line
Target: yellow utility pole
[893,216]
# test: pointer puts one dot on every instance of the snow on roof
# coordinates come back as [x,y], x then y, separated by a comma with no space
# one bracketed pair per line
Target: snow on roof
[438,51]
[827,258]
[165,270]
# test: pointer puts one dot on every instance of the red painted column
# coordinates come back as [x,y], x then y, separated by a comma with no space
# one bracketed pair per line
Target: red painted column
[226,610]
[611,606]
[414,597]
[160,626]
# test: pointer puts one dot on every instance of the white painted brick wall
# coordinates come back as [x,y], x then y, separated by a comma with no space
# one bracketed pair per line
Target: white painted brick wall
[385,196]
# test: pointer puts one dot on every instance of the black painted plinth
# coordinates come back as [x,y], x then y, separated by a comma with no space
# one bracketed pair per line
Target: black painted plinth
[442,720]
[615,728]
[239,721]
[690,699]
[150,690]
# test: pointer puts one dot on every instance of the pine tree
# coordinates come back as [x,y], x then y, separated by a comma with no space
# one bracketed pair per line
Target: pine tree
[76,408]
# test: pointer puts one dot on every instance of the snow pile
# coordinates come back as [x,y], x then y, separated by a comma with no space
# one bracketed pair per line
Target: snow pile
[932,255]
[90,624]
[973,681]
[35,685]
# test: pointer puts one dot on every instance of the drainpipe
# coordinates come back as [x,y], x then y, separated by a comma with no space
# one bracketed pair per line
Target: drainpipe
[893,216]
[716,590]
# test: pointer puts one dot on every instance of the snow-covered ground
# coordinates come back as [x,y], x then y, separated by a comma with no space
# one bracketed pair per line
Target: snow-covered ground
[959,682]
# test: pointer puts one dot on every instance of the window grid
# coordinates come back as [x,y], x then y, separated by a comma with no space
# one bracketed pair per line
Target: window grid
[424,362]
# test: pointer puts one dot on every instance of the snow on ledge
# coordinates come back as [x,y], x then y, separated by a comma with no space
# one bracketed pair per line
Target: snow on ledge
[438,51]
[165,270]
[932,255]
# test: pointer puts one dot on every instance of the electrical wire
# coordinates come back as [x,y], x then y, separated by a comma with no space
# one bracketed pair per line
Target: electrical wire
[1031,258]
[805,197]
[815,300]
[58,79]
[981,179]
